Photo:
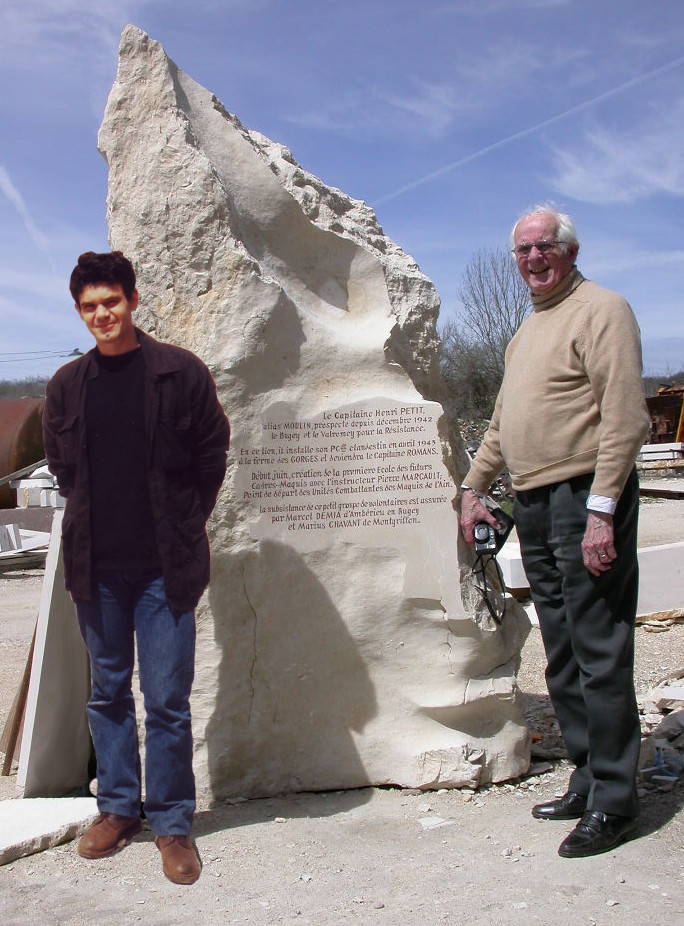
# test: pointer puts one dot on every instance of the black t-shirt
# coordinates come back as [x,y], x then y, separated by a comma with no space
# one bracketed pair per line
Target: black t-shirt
[121,514]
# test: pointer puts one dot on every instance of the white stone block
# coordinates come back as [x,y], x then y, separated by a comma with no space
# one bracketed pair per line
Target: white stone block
[29,497]
[661,575]
[510,561]
[661,578]
[34,482]
[652,452]
[15,536]
[32,540]
[57,500]
[32,825]
[6,543]
[50,498]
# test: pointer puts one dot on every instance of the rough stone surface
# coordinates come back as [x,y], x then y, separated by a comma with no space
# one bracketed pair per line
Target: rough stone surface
[353,657]
[34,824]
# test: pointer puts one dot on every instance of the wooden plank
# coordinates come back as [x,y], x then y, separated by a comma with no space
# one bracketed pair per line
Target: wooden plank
[661,492]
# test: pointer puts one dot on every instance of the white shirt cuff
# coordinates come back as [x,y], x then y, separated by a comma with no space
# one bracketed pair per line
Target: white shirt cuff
[480,495]
[602,503]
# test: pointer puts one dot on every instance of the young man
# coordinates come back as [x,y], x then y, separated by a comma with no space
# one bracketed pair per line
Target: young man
[568,423]
[137,439]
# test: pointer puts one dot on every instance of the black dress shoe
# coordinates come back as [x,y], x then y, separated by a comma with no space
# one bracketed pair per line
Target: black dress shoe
[569,807]
[597,832]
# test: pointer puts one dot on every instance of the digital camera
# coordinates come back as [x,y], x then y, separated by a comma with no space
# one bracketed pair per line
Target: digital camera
[489,539]
[485,538]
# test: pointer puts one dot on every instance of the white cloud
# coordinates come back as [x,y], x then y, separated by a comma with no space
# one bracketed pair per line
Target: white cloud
[25,26]
[468,89]
[62,44]
[623,165]
[16,199]
[51,25]
[627,260]
[434,106]
[578,176]
[428,109]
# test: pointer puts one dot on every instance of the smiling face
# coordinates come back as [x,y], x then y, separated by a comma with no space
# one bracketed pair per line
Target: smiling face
[542,270]
[109,317]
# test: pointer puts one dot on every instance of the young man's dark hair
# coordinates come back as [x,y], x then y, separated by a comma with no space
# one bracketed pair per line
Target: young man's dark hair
[112,268]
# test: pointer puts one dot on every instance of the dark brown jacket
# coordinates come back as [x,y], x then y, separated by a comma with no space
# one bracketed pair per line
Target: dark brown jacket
[187,439]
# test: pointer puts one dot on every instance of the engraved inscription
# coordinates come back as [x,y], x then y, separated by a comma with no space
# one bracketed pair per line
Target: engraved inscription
[369,466]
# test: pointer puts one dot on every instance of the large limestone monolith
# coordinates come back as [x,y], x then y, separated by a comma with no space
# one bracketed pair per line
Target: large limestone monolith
[341,642]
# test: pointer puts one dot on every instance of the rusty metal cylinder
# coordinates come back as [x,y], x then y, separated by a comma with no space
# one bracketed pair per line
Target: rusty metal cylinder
[21,440]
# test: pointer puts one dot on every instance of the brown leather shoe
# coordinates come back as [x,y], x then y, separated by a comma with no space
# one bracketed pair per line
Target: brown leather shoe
[107,834]
[179,859]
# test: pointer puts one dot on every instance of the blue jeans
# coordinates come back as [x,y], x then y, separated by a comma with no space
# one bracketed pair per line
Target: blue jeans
[131,604]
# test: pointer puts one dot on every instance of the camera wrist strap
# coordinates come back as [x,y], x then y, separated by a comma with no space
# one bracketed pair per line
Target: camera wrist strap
[479,571]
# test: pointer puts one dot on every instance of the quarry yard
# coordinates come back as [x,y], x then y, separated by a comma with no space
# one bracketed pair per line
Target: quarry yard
[374,855]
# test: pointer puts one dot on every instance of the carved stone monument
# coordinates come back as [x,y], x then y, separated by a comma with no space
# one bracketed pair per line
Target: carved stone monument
[341,642]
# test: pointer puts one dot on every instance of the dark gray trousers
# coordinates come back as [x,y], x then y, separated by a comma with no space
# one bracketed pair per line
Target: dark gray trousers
[587,625]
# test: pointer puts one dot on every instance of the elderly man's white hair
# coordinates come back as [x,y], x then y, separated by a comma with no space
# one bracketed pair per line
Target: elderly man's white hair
[565,229]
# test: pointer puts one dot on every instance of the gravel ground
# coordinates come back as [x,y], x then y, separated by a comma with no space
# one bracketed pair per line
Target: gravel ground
[374,855]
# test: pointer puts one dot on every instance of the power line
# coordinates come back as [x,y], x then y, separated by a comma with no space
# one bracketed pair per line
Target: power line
[27,356]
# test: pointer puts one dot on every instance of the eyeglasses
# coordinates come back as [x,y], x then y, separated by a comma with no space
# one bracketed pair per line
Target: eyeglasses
[543,246]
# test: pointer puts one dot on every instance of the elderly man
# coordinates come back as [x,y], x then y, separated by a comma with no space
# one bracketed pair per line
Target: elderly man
[569,420]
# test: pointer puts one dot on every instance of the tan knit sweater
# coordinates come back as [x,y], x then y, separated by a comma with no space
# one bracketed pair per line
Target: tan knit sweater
[572,399]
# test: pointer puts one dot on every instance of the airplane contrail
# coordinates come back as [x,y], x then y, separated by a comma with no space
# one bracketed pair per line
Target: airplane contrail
[634,82]
[17,200]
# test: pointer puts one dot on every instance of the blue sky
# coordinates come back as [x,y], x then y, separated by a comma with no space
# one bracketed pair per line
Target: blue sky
[448,117]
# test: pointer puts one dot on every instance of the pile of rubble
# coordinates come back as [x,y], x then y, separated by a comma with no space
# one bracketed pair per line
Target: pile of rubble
[660,621]
[20,546]
[37,488]
[661,763]
[472,434]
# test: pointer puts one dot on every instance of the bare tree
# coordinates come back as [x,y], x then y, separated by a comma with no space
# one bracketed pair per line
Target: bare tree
[463,368]
[32,387]
[494,300]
